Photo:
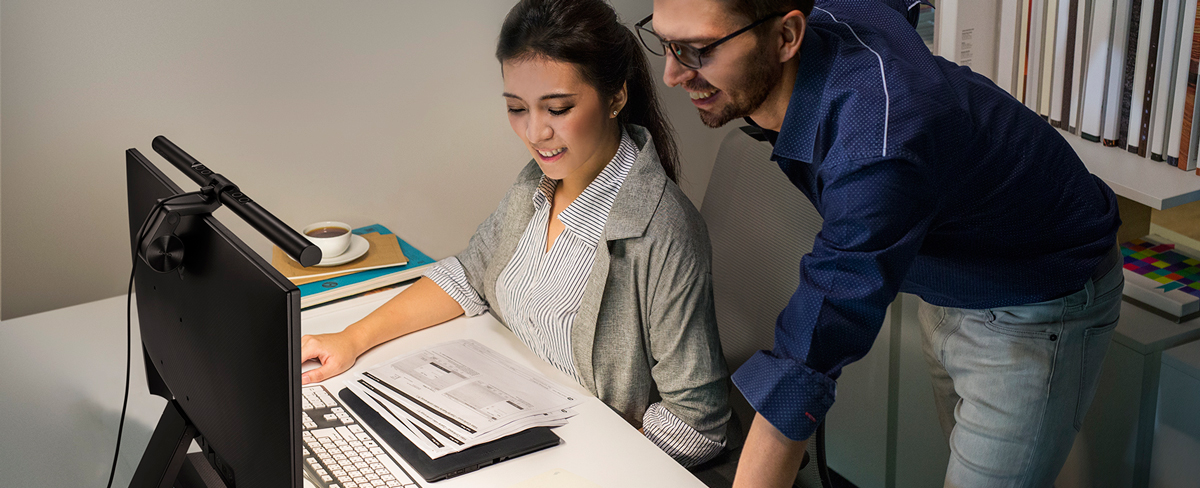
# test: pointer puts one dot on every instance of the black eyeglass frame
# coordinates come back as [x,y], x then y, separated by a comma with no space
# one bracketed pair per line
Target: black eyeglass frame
[699,52]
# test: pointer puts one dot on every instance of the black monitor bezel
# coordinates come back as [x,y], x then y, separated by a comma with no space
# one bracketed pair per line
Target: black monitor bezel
[233,363]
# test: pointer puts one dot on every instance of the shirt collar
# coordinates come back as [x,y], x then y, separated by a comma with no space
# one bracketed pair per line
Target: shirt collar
[587,215]
[799,131]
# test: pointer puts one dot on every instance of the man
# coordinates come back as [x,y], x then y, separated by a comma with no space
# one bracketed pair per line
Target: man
[932,181]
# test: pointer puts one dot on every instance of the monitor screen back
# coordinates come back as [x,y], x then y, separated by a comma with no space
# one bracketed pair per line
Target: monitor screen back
[223,334]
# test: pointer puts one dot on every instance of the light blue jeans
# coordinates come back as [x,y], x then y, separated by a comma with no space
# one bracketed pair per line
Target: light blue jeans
[1012,384]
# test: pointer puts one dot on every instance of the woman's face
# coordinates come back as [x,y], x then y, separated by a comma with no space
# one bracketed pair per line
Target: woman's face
[560,117]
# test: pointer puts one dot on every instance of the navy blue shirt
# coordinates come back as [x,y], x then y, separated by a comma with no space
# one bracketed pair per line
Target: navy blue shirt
[932,181]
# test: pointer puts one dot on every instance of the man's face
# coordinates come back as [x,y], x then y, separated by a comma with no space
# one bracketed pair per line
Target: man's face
[736,77]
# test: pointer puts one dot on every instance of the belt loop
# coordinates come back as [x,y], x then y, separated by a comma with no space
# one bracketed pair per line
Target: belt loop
[1090,286]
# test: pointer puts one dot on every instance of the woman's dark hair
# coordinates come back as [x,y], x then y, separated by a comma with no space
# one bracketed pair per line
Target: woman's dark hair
[588,34]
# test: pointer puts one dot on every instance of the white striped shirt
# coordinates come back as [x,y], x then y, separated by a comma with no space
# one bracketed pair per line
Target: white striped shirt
[539,292]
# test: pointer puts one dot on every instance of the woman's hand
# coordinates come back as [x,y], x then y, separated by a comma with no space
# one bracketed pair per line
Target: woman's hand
[421,305]
[336,352]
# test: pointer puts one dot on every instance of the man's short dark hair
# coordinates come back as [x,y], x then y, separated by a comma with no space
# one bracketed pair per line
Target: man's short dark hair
[757,9]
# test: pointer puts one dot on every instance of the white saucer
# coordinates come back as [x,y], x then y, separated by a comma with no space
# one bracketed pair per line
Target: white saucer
[358,247]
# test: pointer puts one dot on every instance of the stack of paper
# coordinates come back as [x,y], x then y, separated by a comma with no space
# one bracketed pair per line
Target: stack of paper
[460,394]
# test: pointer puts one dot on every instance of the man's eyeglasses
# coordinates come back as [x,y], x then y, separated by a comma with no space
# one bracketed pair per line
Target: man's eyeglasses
[688,56]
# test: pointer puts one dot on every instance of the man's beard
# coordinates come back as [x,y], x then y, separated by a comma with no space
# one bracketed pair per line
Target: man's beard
[759,76]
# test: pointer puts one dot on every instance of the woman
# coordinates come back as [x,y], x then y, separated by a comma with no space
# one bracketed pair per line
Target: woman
[594,259]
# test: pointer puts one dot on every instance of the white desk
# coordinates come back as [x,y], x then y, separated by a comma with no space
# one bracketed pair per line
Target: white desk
[62,374]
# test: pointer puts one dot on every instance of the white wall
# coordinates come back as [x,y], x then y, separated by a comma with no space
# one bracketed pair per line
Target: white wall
[363,111]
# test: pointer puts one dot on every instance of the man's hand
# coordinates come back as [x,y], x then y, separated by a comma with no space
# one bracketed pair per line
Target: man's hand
[769,459]
[336,352]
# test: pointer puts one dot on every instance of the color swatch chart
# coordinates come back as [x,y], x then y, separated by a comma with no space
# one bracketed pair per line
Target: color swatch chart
[1162,263]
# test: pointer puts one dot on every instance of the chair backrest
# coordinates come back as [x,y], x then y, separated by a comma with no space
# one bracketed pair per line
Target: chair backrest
[760,225]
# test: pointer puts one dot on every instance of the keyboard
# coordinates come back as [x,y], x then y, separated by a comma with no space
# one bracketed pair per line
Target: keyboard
[339,453]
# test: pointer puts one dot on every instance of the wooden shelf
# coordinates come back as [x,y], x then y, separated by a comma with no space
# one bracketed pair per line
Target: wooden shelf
[1151,183]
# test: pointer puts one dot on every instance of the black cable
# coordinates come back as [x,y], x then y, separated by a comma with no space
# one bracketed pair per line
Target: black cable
[141,233]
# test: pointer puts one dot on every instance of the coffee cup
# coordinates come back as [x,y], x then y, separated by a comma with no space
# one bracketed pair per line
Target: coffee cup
[332,237]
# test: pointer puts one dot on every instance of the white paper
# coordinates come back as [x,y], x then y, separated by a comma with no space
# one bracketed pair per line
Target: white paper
[462,394]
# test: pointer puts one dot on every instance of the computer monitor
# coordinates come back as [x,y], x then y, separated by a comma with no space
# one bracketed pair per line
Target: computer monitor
[220,339]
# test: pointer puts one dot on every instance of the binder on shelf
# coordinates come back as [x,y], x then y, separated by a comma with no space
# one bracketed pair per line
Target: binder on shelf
[1151,74]
[1007,45]
[1139,106]
[1022,56]
[1130,74]
[1064,57]
[1164,88]
[1187,133]
[1114,99]
[966,37]
[1099,55]
[1180,112]
[1049,38]
[1077,66]
[1034,53]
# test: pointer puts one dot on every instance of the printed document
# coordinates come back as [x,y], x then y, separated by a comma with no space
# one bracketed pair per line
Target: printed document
[460,394]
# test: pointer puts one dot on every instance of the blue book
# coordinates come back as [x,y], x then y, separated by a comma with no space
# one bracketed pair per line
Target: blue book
[319,292]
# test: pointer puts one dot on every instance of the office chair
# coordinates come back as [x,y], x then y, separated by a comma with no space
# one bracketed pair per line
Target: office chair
[760,225]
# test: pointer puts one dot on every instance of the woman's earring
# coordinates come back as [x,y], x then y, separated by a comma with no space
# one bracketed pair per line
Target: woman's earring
[614,113]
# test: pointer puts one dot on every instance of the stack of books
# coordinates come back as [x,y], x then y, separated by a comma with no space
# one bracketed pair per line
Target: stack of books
[1118,72]
[388,263]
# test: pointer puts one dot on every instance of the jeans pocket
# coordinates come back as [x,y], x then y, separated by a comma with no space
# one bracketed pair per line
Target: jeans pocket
[1034,321]
[1095,346]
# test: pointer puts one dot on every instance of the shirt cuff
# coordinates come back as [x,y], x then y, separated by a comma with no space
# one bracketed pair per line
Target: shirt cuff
[678,439]
[450,275]
[790,395]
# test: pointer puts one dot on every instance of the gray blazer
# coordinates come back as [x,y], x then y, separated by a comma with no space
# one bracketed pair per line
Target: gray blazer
[646,328]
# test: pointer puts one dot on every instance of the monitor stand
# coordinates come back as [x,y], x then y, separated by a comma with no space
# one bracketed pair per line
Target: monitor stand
[198,473]
[166,463]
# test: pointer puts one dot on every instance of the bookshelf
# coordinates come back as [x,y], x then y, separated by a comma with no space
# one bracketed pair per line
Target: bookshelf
[1150,183]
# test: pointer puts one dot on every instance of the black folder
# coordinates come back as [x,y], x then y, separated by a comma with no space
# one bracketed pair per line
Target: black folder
[450,465]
